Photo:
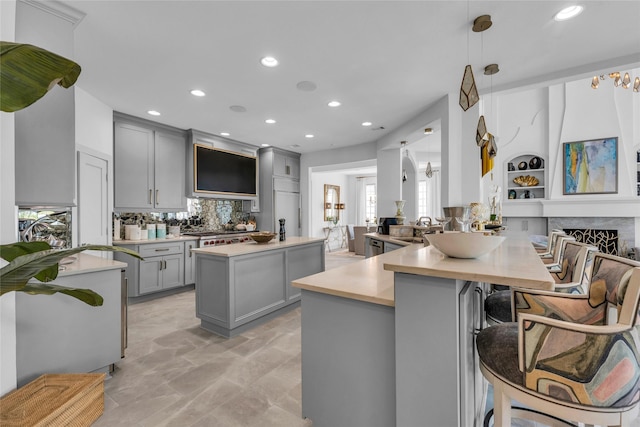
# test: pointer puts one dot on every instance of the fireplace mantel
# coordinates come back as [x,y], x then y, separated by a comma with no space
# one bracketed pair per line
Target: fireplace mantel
[591,207]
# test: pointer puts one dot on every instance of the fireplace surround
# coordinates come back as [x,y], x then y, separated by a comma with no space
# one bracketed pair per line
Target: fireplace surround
[612,235]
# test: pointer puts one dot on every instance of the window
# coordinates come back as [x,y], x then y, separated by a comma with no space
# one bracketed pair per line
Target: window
[422,198]
[370,202]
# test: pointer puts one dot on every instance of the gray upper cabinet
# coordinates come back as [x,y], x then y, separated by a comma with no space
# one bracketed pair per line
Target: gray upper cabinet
[286,165]
[149,166]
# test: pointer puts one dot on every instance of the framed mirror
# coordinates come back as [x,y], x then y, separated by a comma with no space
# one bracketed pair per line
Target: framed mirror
[331,202]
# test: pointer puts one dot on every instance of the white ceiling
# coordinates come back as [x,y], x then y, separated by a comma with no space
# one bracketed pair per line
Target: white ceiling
[384,60]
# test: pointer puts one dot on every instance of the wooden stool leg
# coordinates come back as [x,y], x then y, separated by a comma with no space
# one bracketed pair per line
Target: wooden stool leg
[502,407]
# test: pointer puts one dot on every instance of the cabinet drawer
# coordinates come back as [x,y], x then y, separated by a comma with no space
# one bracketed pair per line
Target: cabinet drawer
[160,249]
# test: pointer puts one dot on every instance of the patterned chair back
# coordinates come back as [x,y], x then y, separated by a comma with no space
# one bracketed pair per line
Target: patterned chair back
[576,264]
[609,280]
[554,239]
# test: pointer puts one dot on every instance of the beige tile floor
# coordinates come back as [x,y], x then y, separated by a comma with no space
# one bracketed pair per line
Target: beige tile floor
[176,374]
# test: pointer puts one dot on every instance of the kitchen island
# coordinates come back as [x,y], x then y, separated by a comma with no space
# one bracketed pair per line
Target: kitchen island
[60,334]
[389,340]
[239,286]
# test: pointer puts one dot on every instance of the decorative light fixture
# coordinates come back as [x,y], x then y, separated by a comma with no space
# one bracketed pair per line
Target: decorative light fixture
[406,152]
[468,89]
[341,206]
[618,81]
[327,205]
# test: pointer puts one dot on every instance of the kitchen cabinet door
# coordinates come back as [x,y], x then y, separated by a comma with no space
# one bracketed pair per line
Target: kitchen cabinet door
[150,275]
[169,172]
[189,263]
[287,206]
[133,166]
[172,271]
[286,166]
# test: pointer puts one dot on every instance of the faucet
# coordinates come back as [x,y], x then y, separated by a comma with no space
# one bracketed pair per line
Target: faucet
[420,221]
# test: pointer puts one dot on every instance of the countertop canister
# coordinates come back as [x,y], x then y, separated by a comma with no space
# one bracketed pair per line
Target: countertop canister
[161,231]
[151,231]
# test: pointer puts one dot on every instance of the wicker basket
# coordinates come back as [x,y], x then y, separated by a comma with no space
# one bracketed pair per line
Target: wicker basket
[55,400]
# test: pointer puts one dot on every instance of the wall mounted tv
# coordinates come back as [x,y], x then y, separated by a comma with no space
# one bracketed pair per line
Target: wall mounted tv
[223,172]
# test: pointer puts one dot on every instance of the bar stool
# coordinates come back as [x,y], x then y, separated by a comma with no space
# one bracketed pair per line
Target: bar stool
[563,358]
[571,275]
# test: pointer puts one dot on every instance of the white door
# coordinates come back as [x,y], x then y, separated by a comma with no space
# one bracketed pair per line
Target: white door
[287,206]
[93,210]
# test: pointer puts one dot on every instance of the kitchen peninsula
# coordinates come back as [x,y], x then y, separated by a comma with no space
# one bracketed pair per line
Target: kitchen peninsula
[403,322]
[239,286]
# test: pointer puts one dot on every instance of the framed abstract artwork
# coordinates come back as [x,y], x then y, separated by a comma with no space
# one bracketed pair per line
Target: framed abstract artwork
[591,166]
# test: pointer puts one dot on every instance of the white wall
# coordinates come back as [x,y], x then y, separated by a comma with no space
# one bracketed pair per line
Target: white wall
[94,136]
[8,217]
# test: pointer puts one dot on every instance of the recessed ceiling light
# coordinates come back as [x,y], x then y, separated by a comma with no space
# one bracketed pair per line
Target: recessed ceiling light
[334,104]
[153,112]
[238,108]
[568,13]
[264,145]
[366,123]
[269,61]
[308,135]
[197,92]
[295,146]
[270,121]
[225,134]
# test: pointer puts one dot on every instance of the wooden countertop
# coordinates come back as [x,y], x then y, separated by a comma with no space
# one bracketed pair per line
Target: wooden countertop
[514,263]
[245,248]
[86,263]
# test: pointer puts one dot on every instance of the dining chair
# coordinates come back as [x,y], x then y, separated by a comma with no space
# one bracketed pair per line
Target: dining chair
[572,276]
[569,357]
[350,238]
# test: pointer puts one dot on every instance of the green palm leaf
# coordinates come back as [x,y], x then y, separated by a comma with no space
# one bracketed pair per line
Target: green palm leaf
[27,72]
[29,260]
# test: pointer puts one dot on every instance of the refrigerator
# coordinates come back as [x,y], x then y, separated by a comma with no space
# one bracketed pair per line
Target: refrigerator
[287,206]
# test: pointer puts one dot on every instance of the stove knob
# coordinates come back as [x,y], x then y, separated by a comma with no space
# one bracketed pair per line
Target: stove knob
[206,243]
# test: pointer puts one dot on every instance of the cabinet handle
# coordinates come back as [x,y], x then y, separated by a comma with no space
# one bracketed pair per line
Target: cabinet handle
[162,250]
[157,198]
[150,195]
[165,264]
[160,265]
[478,311]
[190,254]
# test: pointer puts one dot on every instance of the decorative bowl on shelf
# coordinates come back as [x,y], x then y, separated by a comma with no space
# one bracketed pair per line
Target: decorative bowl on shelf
[526,181]
[262,237]
[464,245]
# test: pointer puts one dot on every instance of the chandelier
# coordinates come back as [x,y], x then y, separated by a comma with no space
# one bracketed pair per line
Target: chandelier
[624,81]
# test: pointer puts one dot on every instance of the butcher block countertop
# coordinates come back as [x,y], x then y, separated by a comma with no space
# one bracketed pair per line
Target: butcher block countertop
[250,247]
[514,263]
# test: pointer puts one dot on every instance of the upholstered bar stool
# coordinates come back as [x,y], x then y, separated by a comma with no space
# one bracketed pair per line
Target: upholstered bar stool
[551,242]
[564,358]
[571,276]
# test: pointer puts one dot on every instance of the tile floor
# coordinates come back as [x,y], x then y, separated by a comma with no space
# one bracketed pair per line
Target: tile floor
[176,374]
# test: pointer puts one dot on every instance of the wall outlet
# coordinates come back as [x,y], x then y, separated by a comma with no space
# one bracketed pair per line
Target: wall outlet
[525,225]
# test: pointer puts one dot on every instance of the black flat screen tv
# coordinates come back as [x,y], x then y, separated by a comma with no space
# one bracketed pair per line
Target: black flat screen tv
[217,171]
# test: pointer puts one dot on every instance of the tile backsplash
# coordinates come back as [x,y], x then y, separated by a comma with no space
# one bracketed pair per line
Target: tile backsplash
[201,214]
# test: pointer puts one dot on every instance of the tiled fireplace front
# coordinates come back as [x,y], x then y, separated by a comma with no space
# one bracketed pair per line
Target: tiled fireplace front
[612,235]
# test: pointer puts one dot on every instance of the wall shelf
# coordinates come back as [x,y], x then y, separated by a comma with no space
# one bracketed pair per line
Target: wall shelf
[516,193]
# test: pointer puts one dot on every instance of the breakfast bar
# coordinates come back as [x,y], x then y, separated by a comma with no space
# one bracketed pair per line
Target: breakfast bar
[239,286]
[404,323]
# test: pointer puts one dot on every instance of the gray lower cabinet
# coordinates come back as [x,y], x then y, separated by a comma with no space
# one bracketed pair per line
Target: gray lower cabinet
[59,334]
[189,263]
[234,293]
[161,269]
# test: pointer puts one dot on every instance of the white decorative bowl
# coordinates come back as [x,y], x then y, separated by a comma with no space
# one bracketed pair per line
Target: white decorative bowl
[464,245]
